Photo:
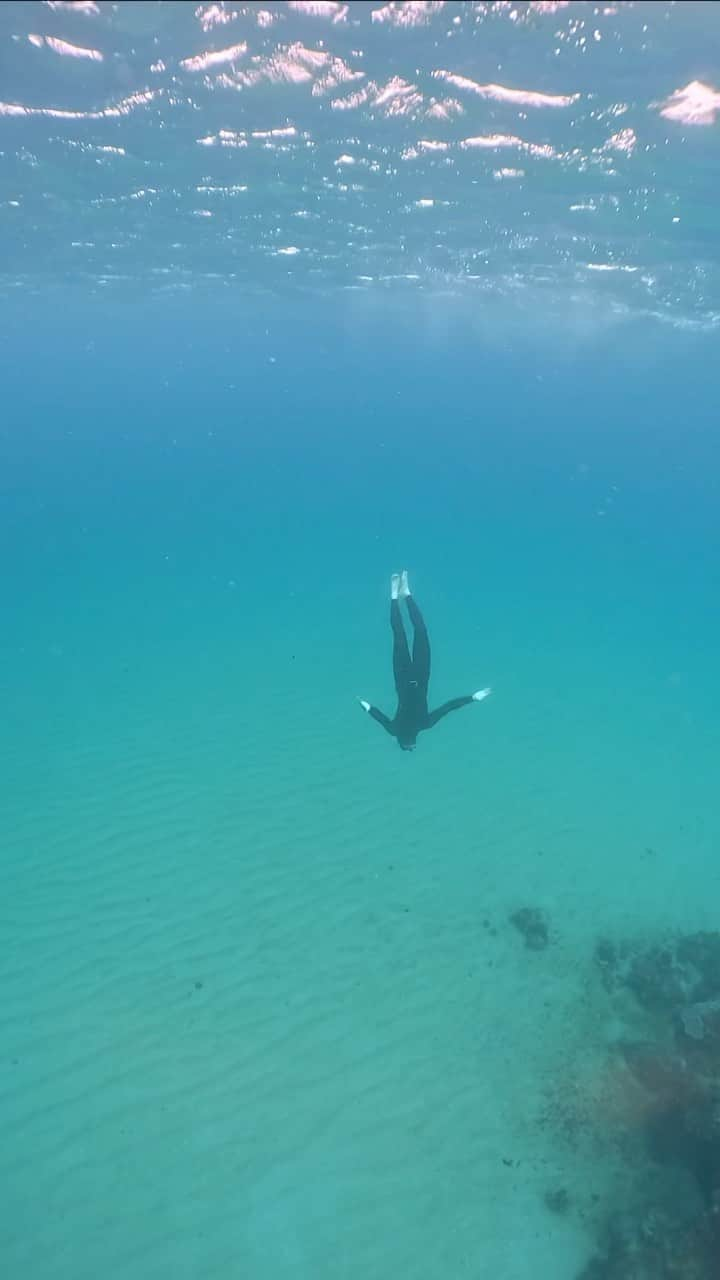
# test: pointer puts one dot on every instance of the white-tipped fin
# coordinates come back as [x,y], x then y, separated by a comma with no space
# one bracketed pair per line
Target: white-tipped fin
[481,693]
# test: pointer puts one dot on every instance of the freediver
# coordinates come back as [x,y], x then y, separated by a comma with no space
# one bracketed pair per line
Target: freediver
[412,674]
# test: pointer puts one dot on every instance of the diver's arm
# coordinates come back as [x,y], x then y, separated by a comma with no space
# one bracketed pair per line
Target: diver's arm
[378,715]
[454,705]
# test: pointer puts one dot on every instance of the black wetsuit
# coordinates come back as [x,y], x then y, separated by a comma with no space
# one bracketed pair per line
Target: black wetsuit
[412,676]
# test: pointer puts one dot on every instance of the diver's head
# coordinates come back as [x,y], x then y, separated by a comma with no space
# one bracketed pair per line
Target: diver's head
[408,745]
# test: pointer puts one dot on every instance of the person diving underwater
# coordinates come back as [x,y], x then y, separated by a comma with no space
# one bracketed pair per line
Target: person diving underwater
[412,674]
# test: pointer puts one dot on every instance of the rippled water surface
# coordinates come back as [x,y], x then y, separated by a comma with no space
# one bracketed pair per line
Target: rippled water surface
[558,149]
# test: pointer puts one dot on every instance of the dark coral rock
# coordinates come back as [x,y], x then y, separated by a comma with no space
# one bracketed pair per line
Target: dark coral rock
[660,1072]
[658,982]
[689,1136]
[674,1095]
[657,1246]
[598,1269]
[607,961]
[701,952]
[557,1200]
[531,923]
[614,1258]
[681,972]
[700,1023]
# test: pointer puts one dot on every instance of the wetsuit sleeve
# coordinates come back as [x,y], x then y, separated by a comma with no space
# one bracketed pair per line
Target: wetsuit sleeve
[453,705]
[381,719]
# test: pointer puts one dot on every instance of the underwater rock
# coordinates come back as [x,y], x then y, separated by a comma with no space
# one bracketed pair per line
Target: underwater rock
[653,1245]
[701,1021]
[557,1200]
[701,953]
[668,1087]
[659,982]
[680,972]
[608,962]
[531,923]
[660,1072]
[689,1136]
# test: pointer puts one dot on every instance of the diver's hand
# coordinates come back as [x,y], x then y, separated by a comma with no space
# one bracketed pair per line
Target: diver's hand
[481,693]
[365,705]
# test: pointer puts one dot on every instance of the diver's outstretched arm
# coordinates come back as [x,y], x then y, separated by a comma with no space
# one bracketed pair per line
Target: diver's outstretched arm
[376,714]
[454,705]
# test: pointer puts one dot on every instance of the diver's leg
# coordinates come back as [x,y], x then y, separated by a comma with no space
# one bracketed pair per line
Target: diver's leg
[402,666]
[421,644]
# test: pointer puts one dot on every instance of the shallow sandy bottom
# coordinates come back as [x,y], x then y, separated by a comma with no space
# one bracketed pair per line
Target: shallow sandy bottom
[264,1013]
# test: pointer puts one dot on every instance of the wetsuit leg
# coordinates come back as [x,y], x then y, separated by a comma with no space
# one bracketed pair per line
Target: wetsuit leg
[421,646]
[402,665]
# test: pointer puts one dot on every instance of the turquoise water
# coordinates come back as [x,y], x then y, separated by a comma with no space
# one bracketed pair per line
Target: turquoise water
[265,1012]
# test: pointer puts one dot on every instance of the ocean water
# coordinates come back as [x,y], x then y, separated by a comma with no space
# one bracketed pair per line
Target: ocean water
[293,296]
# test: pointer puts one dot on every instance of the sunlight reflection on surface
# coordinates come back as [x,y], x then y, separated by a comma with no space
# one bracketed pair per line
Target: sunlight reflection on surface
[422,101]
